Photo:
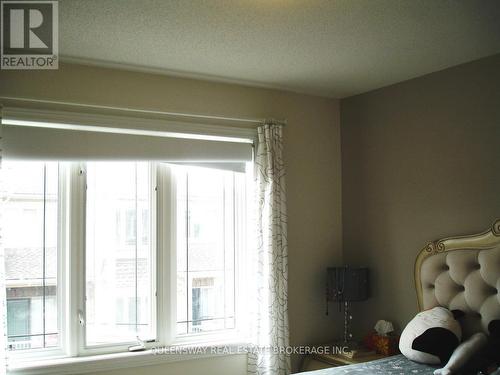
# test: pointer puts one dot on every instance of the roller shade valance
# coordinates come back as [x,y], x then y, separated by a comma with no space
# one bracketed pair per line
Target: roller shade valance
[67,136]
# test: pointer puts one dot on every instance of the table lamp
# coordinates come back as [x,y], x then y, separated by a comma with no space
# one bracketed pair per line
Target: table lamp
[345,285]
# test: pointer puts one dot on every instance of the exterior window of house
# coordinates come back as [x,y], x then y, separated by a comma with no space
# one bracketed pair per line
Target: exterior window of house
[145,215]
[203,301]
[130,226]
[19,319]
[30,240]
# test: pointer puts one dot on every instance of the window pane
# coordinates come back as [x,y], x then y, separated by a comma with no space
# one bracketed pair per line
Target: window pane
[118,253]
[29,224]
[205,249]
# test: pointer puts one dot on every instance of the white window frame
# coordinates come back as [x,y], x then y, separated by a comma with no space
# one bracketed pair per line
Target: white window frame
[62,293]
[71,269]
[167,290]
[82,348]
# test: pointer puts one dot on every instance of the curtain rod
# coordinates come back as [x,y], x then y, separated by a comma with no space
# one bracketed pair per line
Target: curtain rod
[135,110]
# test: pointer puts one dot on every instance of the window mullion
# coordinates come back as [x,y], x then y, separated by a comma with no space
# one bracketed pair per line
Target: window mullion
[75,264]
[153,230]
[166,266]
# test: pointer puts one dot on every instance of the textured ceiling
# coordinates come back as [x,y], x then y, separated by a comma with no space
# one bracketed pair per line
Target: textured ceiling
[334,48]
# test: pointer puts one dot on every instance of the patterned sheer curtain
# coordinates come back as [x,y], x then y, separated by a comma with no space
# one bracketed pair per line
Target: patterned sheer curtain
[3,302]
[270,320]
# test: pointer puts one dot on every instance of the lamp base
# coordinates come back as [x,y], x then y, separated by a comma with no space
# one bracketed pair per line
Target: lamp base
[347,322]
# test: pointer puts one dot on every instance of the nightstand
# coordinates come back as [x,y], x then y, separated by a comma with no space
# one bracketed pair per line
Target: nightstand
[322,361]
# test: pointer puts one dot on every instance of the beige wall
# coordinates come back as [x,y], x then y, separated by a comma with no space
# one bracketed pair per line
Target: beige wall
[312,155]
[420,161]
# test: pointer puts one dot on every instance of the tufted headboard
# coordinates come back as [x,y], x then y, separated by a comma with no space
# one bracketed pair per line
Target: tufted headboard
[462,273]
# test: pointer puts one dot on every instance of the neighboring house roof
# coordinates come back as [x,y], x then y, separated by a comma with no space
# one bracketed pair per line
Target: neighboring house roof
[25,266]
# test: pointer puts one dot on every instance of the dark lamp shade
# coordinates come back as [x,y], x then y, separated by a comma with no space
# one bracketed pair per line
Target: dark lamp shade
[347,284]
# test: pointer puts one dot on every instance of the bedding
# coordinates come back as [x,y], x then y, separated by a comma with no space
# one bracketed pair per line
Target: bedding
[395,365]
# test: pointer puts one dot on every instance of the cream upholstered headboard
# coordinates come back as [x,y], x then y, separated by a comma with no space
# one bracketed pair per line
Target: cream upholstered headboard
[462,273]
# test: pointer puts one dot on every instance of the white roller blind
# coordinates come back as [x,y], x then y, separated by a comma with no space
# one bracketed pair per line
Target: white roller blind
[48,135]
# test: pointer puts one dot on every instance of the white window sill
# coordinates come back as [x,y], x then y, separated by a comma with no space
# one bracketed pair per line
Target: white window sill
[103,362]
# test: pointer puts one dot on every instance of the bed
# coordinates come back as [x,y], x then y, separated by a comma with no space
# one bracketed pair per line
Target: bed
[457,273]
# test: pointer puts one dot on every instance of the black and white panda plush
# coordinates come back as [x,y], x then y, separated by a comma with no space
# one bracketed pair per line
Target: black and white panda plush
[431,337]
